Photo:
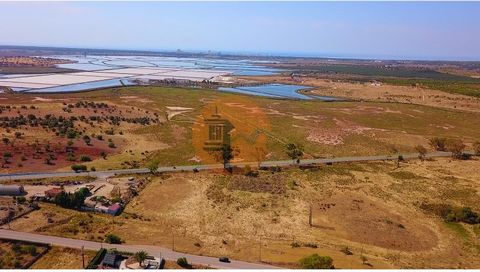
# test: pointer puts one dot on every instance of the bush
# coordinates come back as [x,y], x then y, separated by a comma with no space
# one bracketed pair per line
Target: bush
[439,144]
[295,244]
[346,250]
[79,167]
[183,262]
[111,145]
[456,146]
[465,215]
[310,244]
[476,148]
[85,158]
[316,261]
[422,151]
[30,249]
[21,199]
[112,239]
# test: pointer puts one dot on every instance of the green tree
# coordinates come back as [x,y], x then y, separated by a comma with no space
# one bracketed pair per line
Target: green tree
[294,152]
[140,257]
[316,261]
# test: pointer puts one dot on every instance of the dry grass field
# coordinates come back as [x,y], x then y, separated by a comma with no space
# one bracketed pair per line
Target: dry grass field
[16,255]
[63,258]
[377,210]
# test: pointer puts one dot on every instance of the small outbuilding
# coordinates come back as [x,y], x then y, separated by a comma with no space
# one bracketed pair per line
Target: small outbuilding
[11,190]
[114,209]
[52,193]
[111,261]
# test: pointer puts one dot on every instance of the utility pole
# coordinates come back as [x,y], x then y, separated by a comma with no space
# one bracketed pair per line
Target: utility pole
[173,240]
[83,258]
[310,216]
[260,252]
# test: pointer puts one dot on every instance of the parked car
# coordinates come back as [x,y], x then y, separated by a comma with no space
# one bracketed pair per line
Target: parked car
[224,259]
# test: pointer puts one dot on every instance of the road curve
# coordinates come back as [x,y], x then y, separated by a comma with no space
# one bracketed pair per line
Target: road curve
[157,251]
[99,174]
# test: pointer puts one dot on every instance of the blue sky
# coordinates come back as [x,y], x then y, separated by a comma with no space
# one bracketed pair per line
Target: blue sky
[400,30]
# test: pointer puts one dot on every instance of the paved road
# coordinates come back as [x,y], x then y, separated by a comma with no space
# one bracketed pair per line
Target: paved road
[165,253]
[102,174]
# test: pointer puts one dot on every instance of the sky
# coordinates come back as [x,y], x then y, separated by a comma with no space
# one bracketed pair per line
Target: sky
[394,30]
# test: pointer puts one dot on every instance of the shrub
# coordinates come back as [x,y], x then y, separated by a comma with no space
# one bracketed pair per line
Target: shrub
[111,145]
[85,158]
[182,261]
[30,249]
[465,215]
[310,244]
[112,239]
[422,151]
[316,261]
[295,244]
[21,199]
[437,143]
[71,134]
[79,167]
[456,146]
[476,148]
[346,250]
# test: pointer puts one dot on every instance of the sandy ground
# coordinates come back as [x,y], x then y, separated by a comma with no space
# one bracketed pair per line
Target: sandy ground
[380,92]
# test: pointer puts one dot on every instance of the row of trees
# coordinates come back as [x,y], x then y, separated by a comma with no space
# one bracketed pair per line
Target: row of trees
[72,200]
[455,146]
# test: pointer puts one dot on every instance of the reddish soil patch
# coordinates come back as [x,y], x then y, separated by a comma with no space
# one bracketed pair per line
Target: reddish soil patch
[25,159]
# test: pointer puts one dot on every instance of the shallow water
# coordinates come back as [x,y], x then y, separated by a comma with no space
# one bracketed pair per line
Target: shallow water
[278,91]
[85,86]
[271,90]
[237,67]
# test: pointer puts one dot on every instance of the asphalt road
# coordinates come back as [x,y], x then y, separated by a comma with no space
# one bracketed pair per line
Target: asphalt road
[108,173]
[156,251]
